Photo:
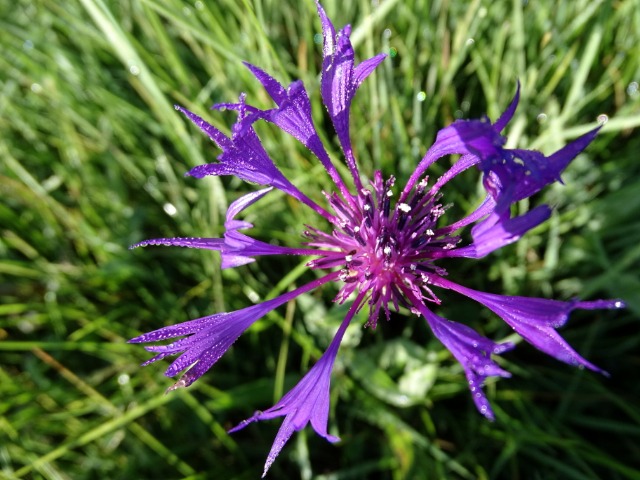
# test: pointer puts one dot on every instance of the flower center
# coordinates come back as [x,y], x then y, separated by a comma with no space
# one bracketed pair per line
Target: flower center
[380,248]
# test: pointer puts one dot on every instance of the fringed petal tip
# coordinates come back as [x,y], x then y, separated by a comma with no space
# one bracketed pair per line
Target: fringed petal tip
[613,304]
[506,117]
[185,242]
[153,242]
[503,347]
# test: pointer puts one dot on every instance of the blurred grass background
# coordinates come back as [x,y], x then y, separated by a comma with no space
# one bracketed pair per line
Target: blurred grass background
[92,160]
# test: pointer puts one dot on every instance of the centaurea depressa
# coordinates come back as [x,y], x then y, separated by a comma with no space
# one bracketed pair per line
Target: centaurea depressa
[386,247]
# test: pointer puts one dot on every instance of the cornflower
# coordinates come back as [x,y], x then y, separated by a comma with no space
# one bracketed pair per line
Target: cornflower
[382,252]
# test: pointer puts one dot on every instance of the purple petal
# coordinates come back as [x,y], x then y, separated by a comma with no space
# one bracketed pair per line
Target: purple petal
[487,240]
[366,68]
[212,132]
[476,138]
[536,319]
[172,331]
[494,232]
[528,171]
[240,204]
[275,90]
[508,113]
[238,248]
[509,175]
[206,339]
[473,351]
[189,242]
[308,401]
[328,31]
[460,166]
[340,81]
[557,162]
[485,208]
[243,156]
[293,116]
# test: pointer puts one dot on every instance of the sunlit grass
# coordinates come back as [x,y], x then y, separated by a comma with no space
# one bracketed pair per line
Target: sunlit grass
[92,158]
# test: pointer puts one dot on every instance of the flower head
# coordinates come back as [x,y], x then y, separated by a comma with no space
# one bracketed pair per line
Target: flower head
[386,247]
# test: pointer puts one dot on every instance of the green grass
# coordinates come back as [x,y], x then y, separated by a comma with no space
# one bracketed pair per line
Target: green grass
[92,159]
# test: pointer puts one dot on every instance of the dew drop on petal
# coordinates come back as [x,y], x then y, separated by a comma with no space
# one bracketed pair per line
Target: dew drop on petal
[603,118]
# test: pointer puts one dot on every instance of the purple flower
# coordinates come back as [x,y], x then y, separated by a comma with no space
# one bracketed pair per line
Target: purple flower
[381,252]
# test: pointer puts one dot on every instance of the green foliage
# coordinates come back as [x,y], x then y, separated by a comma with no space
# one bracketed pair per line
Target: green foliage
[92,158]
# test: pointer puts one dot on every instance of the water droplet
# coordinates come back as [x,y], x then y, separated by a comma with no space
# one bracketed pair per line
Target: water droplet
[169,209]
[421,96]
[619,304]
[393,52]
[253,296]
[28,45]
[123,379]
[26,326]
[36,88]
[458,113]
[632,89]
[465,105]
[542,117]
[469,42]
[134,70]
[317,38]
[603,118]
[199,5]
